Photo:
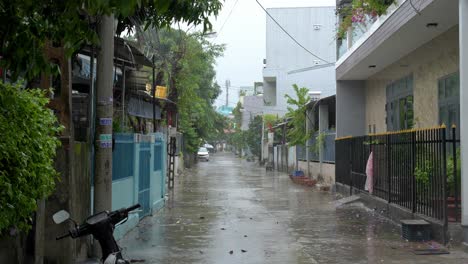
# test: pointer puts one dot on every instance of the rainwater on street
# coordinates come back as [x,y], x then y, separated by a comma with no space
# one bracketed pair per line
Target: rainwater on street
[229,210]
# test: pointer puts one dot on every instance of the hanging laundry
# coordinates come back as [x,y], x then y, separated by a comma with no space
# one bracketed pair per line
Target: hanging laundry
[369,186]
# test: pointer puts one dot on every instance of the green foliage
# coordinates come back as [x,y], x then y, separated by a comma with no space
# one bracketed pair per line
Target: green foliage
[319,142]
[238,139]
[356,12]
[451,178]
[26,25]
[236,112]
[297,135]
[423,172]
[27,150]
[187,64]
[254,135]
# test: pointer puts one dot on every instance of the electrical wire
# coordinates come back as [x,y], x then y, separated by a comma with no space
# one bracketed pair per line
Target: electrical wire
[225,21]
[287,33]
[415,9]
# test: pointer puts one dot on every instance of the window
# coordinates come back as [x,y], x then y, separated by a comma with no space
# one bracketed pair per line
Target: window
[449,100]
[399,107]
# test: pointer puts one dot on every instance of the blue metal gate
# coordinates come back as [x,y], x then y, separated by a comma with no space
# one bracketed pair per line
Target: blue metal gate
[144,179]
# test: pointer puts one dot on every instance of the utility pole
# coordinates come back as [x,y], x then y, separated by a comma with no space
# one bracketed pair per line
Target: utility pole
[104,112]
[228,83]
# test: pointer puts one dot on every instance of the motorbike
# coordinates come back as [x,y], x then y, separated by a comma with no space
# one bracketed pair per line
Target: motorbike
[101,226]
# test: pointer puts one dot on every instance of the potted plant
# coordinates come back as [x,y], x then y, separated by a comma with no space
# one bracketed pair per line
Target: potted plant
[453,185]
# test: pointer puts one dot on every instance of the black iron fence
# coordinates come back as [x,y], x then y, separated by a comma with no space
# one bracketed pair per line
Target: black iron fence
[416,169]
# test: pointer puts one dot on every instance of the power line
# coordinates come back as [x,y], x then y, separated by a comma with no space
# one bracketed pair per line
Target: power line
[287,33]
[225,21]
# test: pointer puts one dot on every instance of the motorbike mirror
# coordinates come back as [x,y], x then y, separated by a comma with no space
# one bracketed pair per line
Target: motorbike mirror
[61,216]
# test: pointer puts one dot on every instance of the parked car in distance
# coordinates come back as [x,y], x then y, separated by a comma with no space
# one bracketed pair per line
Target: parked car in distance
[203,154]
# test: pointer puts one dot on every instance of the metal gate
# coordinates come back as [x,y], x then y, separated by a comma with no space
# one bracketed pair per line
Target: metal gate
[144,179]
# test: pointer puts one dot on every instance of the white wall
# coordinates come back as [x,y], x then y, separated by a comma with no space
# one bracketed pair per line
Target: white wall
[283,53]
[290,64]
[251,109]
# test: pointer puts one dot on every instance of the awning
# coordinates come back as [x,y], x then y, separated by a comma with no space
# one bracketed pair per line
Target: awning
[141,108]
[124,51]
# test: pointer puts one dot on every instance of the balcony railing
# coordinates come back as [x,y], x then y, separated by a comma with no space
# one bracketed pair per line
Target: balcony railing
[356,32]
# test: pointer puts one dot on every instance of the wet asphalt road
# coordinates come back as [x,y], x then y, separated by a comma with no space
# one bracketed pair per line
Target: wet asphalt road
[228,210]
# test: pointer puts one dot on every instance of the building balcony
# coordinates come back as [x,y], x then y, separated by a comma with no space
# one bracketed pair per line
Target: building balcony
[378,42]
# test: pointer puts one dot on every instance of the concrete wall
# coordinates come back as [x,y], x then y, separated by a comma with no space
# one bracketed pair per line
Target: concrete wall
[252,107]
[324,174]
[288,64]
[428,63]
[282,52]
[123,195]
[350,108]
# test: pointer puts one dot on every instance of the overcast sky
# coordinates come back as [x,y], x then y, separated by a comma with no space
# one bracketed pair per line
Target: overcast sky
[244,35]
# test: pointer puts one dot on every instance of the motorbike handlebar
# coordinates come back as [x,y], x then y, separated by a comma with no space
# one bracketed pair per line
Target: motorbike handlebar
[114,217]
[133,207]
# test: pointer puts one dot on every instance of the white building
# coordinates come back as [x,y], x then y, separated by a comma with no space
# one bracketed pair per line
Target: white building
[287,63]
[250,109]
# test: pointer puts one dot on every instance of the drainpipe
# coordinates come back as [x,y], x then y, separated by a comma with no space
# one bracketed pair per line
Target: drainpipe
[463,34]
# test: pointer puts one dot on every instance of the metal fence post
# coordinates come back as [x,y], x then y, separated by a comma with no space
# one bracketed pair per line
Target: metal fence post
[413,177]
[444,175]
[455,164]
[389,181]
[350,156]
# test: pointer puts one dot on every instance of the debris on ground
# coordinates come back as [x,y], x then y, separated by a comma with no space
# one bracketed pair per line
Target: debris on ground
[303,180]
[429,248]
[243,250]
[231,252]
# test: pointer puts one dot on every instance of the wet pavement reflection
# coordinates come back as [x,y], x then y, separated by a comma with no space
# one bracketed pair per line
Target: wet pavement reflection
[229,210]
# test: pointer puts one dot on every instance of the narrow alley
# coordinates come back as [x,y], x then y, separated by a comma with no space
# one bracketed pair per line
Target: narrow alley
[228,210]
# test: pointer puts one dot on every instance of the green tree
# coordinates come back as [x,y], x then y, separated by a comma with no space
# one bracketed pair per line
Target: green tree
[297,134]
[27,150]
[26,26]
[186,66]
[254,135]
